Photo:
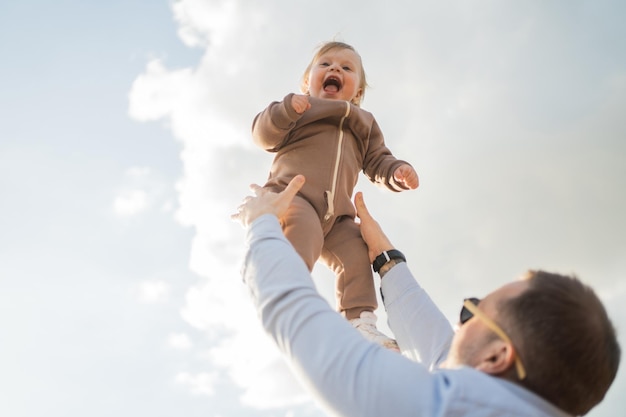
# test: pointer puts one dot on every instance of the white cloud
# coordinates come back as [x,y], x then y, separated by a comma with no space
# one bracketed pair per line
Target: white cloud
[180,341]
[274,386]
[252,361]
[138,172]
[130,203]
[153,291]
[221,308]
[143,189]
[202,383]
[204,23]
[155,93]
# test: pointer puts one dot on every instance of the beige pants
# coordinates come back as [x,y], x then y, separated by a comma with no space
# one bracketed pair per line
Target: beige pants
[341,248]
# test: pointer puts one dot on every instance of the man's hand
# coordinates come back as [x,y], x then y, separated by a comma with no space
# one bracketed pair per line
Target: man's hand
[267,202]
[300,103]
[406,175]
[372,234]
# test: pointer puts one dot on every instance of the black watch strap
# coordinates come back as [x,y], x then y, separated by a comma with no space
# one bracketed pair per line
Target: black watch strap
[385,257]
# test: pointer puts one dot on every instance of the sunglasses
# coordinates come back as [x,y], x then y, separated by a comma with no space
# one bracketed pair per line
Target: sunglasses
[470,309]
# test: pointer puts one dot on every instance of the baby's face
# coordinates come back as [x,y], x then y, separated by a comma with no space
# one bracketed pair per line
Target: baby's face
[335,75]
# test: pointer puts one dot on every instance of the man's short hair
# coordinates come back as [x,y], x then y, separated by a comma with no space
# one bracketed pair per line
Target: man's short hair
[565,339]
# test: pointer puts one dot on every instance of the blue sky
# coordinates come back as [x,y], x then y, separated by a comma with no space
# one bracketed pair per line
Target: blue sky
[124,146]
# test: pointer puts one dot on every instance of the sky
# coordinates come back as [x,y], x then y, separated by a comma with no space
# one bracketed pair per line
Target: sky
[125,145]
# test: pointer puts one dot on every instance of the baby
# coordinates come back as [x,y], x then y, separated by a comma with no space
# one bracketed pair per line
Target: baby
[326,136]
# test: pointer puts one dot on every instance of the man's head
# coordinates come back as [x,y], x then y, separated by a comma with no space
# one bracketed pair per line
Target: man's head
[556,327]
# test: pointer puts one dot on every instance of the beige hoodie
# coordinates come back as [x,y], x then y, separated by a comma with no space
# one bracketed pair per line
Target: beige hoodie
[329,144]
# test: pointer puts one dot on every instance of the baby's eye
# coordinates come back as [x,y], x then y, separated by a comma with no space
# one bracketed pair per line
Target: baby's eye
[324,64]
[346,68]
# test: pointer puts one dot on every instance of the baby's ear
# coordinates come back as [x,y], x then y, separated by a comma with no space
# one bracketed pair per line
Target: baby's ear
[357,99]
[304,86]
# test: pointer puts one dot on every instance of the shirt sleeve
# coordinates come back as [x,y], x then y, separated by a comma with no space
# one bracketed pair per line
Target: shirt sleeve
[422,331]
[348,374]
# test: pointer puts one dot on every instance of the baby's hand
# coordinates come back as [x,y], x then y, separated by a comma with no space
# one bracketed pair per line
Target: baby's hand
[300,103]
[406,175]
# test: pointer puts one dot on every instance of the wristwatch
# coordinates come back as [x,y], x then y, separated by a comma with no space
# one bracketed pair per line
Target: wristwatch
[385,257]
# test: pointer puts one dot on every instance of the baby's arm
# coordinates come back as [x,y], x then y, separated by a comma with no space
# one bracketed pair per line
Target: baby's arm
[405,174]
[381,167]
[271,127]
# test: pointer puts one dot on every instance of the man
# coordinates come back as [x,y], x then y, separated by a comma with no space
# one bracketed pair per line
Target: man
[541,346]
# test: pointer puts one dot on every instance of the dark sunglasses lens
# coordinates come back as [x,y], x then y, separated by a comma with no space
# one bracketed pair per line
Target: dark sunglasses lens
[465,313]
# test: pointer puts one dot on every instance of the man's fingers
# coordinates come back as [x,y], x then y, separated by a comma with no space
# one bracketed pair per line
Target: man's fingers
[237,215]
[293,187]
[361,208]
[266,201]
[255,188]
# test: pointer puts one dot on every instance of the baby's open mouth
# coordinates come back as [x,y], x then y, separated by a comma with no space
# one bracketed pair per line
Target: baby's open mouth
[332,85]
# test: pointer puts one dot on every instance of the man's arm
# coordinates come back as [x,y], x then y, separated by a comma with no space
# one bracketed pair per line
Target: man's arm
[344,371]
[422,331]
[348,374]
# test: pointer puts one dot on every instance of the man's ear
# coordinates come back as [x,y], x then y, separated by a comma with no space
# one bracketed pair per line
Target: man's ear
[497,358]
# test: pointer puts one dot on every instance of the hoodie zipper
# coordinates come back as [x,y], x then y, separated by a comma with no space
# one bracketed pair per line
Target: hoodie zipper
[330,194]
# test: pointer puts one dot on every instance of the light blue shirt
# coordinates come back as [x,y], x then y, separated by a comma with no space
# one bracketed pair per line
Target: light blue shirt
[353,377]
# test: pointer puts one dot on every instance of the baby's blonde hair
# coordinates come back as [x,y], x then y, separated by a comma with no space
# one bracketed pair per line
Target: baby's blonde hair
[329,46]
